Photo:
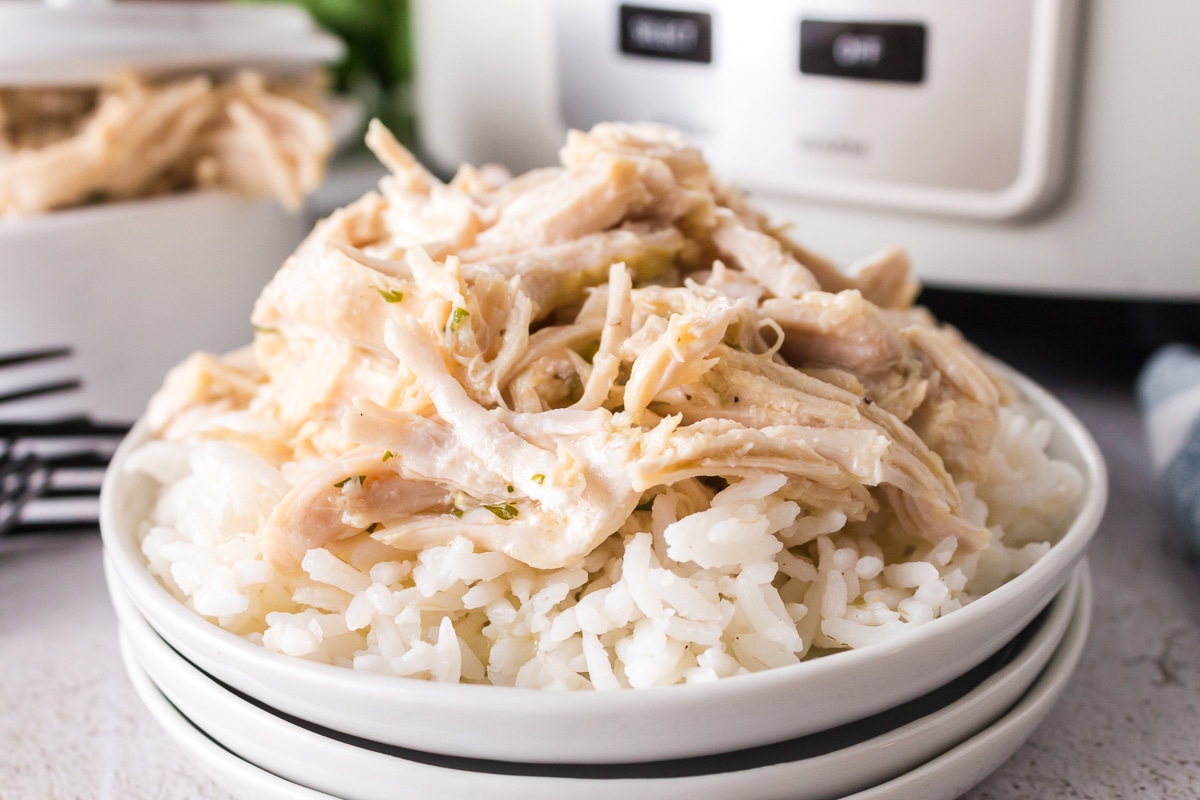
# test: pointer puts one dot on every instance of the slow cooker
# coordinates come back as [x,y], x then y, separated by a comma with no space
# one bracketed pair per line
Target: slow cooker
[1030,146]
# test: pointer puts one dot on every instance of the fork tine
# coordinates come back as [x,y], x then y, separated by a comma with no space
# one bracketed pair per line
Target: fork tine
[37,391]
[45,354]
[57,493]
[76,460]
[53,526]
[80,426]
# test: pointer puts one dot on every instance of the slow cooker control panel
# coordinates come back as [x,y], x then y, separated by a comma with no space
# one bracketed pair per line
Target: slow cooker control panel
[929,105]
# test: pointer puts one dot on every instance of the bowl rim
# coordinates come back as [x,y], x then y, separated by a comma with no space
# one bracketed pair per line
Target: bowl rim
[1050,570]
[189,200]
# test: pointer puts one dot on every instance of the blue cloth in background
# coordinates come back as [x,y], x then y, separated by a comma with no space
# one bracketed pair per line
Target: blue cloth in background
[1168,392]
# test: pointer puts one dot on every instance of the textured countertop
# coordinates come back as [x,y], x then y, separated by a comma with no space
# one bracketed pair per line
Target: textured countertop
[1128,725]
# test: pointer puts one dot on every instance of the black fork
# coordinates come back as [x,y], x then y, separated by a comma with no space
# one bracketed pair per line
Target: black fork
[49,466]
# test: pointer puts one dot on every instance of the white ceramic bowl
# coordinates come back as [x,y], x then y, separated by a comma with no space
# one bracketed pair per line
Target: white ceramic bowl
[828,764]
[134,288]
[512,724]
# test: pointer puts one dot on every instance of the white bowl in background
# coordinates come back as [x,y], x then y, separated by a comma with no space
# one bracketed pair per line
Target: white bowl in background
[134,288]
[829,764]
[512,724]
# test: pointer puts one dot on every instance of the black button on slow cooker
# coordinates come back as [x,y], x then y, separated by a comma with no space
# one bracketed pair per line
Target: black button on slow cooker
[880,51]
[666,33]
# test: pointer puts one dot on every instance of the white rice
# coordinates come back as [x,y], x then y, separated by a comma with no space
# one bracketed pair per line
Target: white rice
[743,585]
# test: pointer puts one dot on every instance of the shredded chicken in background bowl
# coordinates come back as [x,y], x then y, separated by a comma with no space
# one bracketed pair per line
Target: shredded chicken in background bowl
[64,147]
[595,426]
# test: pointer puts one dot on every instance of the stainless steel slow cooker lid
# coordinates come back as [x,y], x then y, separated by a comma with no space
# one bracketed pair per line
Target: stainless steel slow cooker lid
[84,43]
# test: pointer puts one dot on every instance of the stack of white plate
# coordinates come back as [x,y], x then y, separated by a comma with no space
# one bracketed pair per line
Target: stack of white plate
[927,715]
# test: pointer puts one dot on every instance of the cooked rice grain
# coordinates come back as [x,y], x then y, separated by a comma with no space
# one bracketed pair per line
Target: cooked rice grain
[705,596]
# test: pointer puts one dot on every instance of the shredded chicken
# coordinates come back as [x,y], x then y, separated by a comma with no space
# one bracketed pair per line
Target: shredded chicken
[525,361]
[66,147]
